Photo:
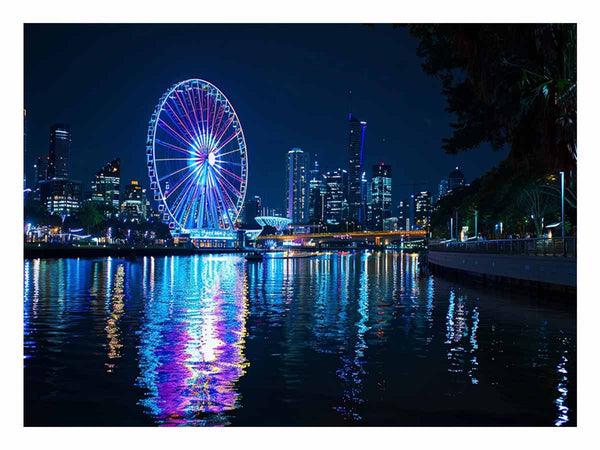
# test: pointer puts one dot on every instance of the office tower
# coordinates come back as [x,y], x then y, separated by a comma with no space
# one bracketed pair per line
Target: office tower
[60,151]
[422,210]
[356,142]
[134,206]
[456,179]
[296,188]
[443,188]
[106,185]
[404,215]
[336,188]
[316,201]
[381,195]
[60,196]
[41,169]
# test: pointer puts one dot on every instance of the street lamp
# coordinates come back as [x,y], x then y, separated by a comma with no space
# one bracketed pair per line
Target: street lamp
[562,204]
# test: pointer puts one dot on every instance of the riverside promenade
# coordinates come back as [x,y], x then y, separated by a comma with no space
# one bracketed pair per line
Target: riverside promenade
[545,263]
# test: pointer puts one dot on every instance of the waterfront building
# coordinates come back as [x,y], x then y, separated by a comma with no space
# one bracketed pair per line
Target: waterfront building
[106,185]
[381,195]
[336,189]
[134,206]
[422,210]
[296,187]
[60,196]
[60,151]
[356,141]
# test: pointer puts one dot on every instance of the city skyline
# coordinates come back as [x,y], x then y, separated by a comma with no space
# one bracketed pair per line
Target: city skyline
[325,138]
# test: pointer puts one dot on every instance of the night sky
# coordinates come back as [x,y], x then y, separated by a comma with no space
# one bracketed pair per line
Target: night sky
[288,83]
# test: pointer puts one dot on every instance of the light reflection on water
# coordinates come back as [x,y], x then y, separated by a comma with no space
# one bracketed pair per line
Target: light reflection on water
[365,338]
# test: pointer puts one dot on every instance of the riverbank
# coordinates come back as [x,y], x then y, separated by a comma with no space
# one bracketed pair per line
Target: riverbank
[540,273]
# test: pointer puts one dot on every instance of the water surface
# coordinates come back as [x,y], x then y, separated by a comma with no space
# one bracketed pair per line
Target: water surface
[339,339]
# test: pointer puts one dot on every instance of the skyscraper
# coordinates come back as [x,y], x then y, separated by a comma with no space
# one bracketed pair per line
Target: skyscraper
[381,194]
[106,184]
[336,190]
[60,151]
[296,187]
[404,215]
[356,142]
[316,194]
[422,210]
[443,188]
[134,202]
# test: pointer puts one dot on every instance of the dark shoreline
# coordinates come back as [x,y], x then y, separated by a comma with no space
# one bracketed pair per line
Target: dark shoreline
[32,251]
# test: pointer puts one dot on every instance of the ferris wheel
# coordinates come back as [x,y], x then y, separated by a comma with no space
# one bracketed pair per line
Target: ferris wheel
[197,161]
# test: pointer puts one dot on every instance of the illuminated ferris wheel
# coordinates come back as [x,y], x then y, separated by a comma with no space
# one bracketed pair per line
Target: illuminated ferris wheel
[197,161]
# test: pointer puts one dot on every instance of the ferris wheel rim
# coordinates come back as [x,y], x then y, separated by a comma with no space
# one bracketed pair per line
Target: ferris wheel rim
[242,149]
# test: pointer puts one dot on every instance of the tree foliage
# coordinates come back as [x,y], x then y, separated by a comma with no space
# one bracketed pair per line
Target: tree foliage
[509,85]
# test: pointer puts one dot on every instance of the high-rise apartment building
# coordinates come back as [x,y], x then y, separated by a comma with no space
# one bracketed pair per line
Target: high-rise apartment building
[296,187]
[60,151]
[381,195]
[422,210]
[106,185]
[336,190]
[356,143]
[134,206]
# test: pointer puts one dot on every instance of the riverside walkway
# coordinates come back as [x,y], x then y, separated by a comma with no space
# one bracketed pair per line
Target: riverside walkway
[547,262]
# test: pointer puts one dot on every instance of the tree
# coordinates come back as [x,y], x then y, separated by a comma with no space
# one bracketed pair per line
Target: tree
[536,201]
[89,216]
[509,85]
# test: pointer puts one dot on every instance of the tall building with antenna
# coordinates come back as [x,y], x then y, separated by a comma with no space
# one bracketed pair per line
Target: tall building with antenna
[356,143]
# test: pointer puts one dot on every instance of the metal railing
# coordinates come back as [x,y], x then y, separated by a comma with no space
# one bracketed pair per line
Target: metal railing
[530,247]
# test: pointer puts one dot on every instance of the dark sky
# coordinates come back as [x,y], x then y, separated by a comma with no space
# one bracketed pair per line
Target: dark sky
[288,83]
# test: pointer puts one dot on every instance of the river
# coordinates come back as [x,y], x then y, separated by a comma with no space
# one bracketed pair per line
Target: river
[338,339]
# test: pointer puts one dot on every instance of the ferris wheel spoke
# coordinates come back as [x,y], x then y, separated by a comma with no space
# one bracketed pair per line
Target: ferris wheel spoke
[231,174]
[226,142]
[201,107]
[228,196]
[173,132]
[182,103]
[178,185]
[228,153]
[217,130]
[222,161]
[221,132]
[190,94]
[230,185]
[176,115]
[220,196]
[174,147]
[185,199]
[176,159]
[190,167]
